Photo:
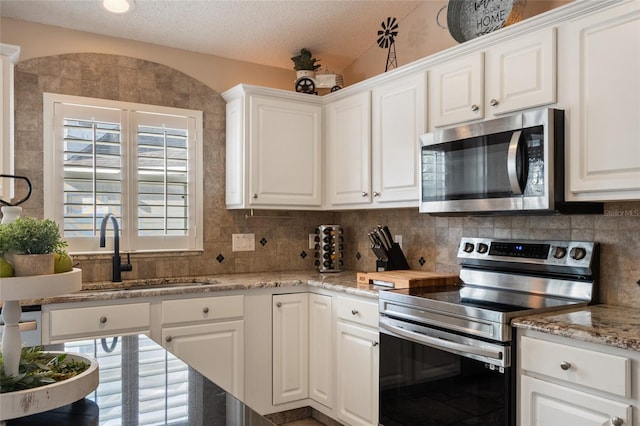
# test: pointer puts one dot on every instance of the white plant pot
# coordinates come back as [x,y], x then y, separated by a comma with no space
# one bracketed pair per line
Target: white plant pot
[305,73]
[25,265]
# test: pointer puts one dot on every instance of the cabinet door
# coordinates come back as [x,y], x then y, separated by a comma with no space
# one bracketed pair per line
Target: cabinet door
[521,74]
[603,54]
[320,349]
[285,153]
[290,347]
[399,118]
[215,350]
[456,91]
[235,152]
[357,374]
[547,404]
[348,158]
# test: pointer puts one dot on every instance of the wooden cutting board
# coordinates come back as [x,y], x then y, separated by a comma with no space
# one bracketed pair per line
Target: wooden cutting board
[407,278]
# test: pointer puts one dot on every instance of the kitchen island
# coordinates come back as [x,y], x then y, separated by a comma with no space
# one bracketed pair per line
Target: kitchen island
[148,396]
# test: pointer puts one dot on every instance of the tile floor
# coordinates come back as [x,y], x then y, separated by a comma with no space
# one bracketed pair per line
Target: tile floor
[304,422]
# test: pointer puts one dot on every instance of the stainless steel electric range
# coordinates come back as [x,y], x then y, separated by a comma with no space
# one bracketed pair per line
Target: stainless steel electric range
[447,354]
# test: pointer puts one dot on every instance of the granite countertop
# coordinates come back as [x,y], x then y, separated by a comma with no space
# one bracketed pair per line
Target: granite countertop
[609,325]
[106,290]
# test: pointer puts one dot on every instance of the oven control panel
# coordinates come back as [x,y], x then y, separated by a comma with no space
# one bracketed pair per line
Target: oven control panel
[557,253]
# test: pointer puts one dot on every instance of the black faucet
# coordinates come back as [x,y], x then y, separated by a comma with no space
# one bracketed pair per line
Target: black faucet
[117,263]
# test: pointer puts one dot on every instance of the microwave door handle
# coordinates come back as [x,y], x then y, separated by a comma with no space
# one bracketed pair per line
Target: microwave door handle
[512,169]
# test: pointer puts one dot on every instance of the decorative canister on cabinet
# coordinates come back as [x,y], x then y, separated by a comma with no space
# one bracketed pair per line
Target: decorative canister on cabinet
[329,248]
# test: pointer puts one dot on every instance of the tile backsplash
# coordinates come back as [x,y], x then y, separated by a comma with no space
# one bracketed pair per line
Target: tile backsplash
[429,243]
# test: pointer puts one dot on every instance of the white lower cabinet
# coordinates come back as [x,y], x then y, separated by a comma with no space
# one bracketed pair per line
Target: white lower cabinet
[571,383]
[214,350]
[358,360]
[321,349]
[548,404]
[290,347]
[208,334]
[325,355]
[62,323]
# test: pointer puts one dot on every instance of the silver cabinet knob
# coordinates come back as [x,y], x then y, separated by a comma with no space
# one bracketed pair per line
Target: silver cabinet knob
[617,421]
[205,310]
[374,343]
[474,107]
[565,365]
[493,102]
[255,195]
[103,320]
[354,312]
[365,194]
[376,194]
[168,339]
[279,304]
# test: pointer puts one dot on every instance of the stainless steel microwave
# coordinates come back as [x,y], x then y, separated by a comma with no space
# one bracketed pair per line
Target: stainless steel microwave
[509,164]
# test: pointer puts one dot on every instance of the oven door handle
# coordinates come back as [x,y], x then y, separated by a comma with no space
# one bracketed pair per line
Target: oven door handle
[434,342]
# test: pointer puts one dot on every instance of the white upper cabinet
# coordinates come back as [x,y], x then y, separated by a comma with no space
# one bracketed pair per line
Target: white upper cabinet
[9,56]
[372,145]
[456,90]
[601,76]
[274,149]
[348,150]
[512,75]
[399,118]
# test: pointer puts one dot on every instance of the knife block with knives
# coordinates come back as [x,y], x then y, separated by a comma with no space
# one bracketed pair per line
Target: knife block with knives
[389,254]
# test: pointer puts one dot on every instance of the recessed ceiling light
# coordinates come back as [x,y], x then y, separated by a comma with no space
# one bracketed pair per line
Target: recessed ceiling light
[118,6]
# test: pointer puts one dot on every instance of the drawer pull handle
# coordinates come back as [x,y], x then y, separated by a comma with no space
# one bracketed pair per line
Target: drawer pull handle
[279,304]
[474,107]
[354,312]
[617,421]
[565,365]
[205,310]
[365,194]
[168,338]
[493,102]
[103,320]
[374,343]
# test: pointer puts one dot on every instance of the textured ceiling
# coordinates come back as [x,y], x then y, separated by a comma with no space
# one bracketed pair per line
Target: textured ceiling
[265,32]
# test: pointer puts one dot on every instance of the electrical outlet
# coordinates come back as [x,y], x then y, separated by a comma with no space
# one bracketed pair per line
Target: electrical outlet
[312,241]
[243,242]
[398,239]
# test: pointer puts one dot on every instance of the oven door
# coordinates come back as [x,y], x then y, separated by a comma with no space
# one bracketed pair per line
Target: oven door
[433,377]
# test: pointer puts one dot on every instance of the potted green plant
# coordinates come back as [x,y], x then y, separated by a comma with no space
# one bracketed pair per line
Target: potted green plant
[304,64]
[32,243]
[6,268]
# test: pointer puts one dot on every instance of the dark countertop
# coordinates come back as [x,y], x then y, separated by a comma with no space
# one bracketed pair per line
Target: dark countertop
[207,403]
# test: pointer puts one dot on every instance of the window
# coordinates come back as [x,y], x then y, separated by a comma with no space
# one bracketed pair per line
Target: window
[142,163]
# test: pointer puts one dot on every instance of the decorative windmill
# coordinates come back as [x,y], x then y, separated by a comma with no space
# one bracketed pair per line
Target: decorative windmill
[386,39]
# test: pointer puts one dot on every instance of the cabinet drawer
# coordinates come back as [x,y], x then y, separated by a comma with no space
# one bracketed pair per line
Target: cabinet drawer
[202,309]
[99,321]
[358,311]
[597,370]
